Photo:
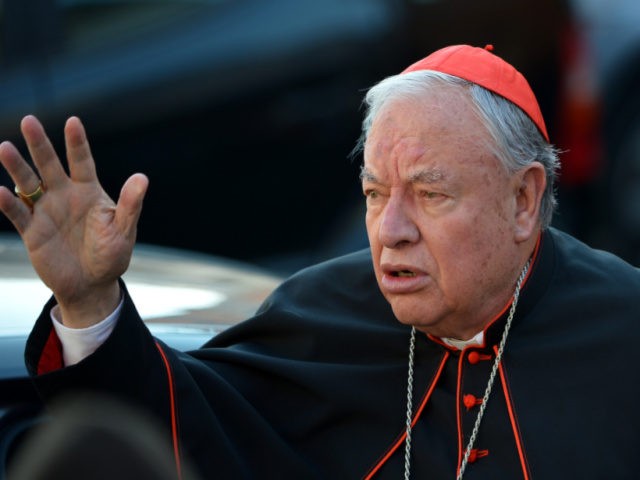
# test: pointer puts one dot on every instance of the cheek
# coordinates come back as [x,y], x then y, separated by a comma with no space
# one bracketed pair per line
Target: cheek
[373,222]
[467,247]
[370,224]
[492,255]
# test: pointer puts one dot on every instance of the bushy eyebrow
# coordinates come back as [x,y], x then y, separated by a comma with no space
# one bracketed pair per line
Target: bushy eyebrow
[367,176]
[428,176]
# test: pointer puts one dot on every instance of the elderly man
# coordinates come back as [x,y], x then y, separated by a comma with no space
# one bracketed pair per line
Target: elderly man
[471,339]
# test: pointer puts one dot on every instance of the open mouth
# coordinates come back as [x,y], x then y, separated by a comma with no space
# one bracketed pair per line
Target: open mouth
[403,273]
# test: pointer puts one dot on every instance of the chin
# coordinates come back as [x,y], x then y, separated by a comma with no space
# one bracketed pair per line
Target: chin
[407,315]
[432,320]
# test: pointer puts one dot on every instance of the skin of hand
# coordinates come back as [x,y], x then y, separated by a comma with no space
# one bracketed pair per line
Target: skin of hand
[79,241]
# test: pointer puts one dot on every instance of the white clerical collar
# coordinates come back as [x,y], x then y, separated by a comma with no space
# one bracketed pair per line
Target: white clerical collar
[475,341]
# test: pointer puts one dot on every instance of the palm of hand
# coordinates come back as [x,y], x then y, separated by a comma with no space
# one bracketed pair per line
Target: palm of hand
[74,242]
[78,239]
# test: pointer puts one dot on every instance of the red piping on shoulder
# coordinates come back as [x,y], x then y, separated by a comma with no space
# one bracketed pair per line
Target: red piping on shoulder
[403,436]
[174,420]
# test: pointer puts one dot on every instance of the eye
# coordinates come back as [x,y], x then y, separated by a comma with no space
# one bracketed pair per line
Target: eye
[431,195]
[374,197]
[371,194]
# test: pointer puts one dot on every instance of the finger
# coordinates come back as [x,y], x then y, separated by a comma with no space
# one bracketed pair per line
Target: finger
[17,168]
[14,209]
[42,152]
[81,165]
[129,204]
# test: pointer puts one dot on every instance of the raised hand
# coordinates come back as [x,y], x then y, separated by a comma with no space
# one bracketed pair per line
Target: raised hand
[78,239]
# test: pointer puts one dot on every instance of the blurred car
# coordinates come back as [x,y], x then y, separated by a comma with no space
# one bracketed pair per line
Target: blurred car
[185,299]
[243,112]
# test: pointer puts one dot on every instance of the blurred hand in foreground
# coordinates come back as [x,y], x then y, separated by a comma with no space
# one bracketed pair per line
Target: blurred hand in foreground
[78,239]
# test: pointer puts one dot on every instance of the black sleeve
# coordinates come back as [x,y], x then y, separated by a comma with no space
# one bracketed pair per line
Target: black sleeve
[287,394]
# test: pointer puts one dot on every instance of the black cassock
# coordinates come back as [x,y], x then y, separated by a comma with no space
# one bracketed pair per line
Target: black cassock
[314,386]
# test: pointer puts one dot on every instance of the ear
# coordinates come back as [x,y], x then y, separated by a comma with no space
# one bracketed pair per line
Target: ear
[529,189]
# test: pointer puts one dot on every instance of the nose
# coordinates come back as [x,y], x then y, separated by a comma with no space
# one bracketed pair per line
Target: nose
[397,226]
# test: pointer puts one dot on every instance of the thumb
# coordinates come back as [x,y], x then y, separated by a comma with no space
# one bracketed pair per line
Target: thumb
[129,204]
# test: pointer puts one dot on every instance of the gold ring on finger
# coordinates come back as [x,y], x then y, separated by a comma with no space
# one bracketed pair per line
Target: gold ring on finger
[30,198]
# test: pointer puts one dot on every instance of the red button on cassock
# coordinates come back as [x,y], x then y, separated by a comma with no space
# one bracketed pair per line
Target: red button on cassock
[475,357]
[476,453]
[471,401]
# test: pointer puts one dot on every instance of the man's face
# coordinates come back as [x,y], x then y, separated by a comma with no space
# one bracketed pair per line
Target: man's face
[440,215]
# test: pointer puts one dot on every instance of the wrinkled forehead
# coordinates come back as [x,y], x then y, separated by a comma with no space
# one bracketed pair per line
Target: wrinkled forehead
[438,122]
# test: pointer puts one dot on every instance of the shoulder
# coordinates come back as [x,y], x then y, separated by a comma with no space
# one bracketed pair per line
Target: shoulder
[346,276]
[343,283]
[579,263]
[336,299]
[588,291]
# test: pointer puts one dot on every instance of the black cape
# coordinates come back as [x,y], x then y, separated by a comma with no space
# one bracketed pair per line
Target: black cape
[314,386]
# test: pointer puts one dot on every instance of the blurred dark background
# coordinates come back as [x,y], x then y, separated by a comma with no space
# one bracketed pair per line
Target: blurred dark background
[243,113]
